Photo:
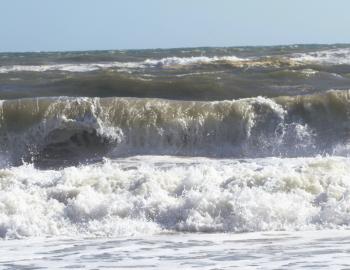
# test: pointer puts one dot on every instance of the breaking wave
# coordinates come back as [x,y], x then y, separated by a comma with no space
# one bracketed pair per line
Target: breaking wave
[338,56]
[148,63]
[79,129]
[330,56]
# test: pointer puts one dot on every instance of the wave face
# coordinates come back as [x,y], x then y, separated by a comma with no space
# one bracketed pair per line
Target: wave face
[66,129]
[117,143]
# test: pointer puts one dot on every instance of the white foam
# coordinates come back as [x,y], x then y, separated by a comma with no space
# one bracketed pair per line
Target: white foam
[164,62]
[173,61]
[147,195]
[69,67]
[333,56]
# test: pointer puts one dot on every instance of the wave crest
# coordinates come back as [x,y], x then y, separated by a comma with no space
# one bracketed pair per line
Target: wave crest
[88,128]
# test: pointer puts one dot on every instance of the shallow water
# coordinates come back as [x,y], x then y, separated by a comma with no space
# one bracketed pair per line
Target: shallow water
[328,249]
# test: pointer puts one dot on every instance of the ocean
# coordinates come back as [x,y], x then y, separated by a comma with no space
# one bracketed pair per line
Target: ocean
[209,158]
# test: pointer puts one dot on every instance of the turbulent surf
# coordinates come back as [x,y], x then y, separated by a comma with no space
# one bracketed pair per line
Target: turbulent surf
[114,143]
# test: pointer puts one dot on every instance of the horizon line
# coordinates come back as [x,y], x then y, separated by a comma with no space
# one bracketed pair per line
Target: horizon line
[176,48]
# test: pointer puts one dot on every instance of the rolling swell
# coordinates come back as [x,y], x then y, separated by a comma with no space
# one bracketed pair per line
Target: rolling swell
[63,130]
[194,74]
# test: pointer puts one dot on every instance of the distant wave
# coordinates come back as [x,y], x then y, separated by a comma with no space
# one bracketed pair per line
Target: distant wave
[330,56]
[86,67]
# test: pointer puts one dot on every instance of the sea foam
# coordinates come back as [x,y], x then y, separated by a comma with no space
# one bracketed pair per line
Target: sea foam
[148,195]
[148,63]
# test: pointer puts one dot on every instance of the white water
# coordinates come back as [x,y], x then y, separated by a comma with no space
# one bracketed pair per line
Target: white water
[148,195]
[148,63]
[333,56]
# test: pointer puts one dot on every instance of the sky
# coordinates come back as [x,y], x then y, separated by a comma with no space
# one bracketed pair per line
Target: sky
[58,25]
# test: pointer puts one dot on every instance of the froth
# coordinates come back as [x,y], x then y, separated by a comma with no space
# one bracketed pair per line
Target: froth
[147,195]
[148,63]
[333,56]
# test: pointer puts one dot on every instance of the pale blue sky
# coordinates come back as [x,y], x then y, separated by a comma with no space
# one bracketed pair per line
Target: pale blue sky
[49,25]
